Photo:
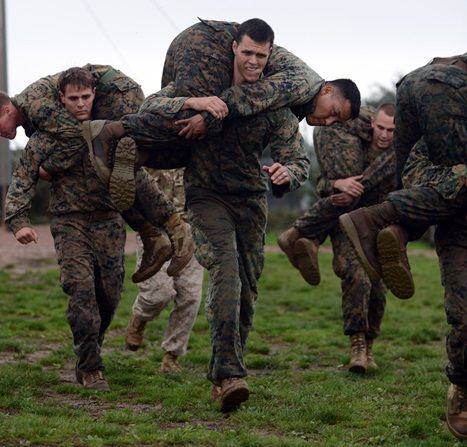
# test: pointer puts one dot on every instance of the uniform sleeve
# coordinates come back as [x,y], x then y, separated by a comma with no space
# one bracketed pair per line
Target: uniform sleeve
[164,102]
[23,187]
[288,148]
[287,81]
[381,171]
[339,155]
[420,171]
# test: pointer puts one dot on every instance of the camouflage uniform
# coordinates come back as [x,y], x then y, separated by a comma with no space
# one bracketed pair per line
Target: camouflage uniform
[116,95]
[199,62]
[344,150]
[184,289]
[432,111]
[89,240]
[226,197]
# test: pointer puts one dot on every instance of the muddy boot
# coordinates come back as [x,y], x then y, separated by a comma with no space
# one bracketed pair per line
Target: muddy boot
[107,150]
[306,254]
[370,360]
[183,246]
[362,227]
[286,242]
[134,333]
[234,391]
[93,380]
[157,250]
[358,359]
[170,363]
[456,416]
[392,255]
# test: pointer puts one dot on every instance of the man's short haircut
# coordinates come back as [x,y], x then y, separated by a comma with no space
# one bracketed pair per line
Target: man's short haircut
[257,30]
[76,76]
[389,108]
[4,98]
[349,90]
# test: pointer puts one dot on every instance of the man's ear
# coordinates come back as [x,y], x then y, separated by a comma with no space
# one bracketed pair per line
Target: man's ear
[234,46]
[326,89]
[61,97]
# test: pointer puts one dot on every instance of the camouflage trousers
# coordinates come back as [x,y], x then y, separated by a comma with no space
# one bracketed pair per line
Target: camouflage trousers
[229,234]
[363,302]
[151,203]
[427,206]
[320,219]
[90,252]
[183,289]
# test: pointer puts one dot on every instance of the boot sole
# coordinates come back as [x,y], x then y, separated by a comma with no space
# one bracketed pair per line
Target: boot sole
[307,268]
[395,275]
[122,185]
[232,400]
[455,432]
[349,228]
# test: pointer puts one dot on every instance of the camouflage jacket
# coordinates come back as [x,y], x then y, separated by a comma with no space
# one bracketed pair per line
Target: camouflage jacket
[40,105]
[432,103]
[77,190]
[200,63]
[344,150]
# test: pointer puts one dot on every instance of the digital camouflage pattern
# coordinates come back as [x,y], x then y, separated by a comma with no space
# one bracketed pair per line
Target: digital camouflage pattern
[344,150]
[431,118]
[183,289]
[90,255]
[229,234]
[200,63]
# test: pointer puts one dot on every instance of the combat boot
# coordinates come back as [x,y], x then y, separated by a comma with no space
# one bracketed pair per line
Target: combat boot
[370,360]
[362,227]
[286,242]
[170,363]
[134,333]
[456,416]
[183,246]
[306,254]
[233,392]
[107,150]
[157,250]
[392,255]
[302,254]
[358,359]
[93,380]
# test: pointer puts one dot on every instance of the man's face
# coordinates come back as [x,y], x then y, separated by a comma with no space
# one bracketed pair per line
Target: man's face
[8,122]
[330,108]
[250,59]
[78,100]
[383,131]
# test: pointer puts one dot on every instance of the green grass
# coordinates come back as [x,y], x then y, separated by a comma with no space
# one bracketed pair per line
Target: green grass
[302,394]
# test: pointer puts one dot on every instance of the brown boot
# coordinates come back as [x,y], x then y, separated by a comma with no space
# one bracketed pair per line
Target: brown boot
[392,255]
[306,254]
[93,380]
[108,150]
[134,333]
[456,416]
[234,391]
[179,233]
[157,250]
[362,227]
[286,242]
[370,360]
[358,359]
[170,363]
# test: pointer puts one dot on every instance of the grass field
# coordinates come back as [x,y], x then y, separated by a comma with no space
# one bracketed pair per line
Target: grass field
[302,394]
